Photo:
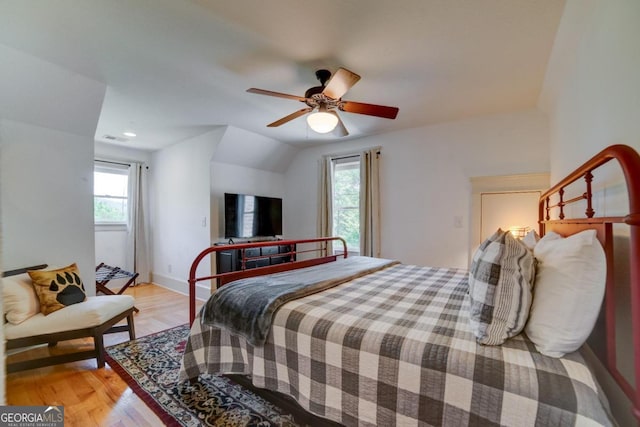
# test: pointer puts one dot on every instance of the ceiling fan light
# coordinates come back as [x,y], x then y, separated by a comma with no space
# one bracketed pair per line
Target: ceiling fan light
[322,122]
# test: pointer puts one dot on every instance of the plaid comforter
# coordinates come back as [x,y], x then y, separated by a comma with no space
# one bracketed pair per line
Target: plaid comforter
[395,348]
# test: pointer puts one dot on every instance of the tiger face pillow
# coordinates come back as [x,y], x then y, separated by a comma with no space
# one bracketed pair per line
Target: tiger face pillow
[59,288]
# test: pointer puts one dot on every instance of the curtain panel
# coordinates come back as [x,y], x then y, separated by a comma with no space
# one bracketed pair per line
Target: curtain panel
[138,231]
[370,202]
[325,201]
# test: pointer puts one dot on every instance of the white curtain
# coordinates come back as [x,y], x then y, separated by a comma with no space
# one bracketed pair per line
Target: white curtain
[325,202]
[370,202]
[138,231]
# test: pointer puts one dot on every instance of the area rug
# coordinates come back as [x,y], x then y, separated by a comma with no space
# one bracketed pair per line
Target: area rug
[150,365]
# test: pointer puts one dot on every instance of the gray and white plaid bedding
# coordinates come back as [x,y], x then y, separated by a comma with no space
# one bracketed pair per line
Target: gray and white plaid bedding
[395,348]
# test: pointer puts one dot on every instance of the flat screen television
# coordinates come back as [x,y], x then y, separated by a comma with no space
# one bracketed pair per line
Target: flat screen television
[251,216]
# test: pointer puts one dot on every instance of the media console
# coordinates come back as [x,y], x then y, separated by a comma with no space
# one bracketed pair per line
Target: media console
[232,259]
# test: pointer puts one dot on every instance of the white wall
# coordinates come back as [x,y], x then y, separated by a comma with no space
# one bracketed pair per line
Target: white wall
[592,94]
[117,153]
[425,183]
[111,247]
[592,88]
[47,198]
[244,148]
[188,181]
[180,212]
[48,119]
[227,178]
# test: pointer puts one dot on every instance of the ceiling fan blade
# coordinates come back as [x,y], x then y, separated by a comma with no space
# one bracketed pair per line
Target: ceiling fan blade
[340,129]
[341,81]
[289,117]
[369,109]
[278,94]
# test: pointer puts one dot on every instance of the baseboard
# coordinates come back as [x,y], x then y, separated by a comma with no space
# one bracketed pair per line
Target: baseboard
[181,286]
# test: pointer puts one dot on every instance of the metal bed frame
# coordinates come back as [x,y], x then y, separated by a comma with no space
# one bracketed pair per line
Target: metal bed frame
[628,160]
[318,246]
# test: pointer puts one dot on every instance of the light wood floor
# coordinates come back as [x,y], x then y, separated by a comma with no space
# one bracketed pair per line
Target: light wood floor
[98,397]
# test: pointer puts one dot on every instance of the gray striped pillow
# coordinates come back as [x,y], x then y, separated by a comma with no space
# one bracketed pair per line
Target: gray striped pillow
[500,282]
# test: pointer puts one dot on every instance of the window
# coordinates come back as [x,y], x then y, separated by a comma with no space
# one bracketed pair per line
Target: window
[111,194]
[346,201]
[349,201]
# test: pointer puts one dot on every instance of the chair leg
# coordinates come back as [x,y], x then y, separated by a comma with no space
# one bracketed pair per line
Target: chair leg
[132,328]
[99,347]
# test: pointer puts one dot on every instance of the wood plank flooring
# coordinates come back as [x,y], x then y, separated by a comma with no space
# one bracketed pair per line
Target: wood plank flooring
[98,397]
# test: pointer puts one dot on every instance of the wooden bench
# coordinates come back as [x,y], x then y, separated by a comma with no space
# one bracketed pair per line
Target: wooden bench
[91,318]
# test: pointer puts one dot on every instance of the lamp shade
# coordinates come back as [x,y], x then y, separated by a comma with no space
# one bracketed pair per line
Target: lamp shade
[519,231]
[322,121]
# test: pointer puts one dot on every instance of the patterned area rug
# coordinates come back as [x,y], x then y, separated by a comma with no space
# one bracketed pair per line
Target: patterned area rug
[150,365]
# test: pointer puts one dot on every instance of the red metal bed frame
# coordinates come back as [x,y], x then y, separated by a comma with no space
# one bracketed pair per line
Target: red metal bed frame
[319,246]
[629,162]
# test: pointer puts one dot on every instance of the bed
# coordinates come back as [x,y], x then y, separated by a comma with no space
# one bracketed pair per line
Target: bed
[395,346]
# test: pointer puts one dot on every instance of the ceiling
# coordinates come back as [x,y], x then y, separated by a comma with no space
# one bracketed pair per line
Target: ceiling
[176,69]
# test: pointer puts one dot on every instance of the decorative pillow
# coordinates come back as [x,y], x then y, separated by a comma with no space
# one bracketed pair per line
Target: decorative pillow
[500,281]
[19,298]
[59,288]
[568,292]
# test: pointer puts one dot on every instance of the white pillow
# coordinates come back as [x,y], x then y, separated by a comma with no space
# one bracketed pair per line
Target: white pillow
[568,291]
[531,239]
[19,297]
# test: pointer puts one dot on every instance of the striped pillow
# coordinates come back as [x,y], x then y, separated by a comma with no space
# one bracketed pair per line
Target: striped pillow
[500,282]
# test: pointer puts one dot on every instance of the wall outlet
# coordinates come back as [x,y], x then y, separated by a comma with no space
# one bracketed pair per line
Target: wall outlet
[204,221]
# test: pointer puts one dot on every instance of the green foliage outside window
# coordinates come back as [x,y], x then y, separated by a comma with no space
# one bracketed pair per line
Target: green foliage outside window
[346,204]
[110,210]
[110,195]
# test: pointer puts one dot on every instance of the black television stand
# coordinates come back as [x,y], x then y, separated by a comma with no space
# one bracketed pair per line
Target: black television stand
[231,260]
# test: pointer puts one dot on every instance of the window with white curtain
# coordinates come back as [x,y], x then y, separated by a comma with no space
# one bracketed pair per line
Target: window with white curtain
[346,201]
[111,194]
[349,201]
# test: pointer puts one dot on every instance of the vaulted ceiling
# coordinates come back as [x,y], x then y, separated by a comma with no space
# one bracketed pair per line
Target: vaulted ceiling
[177,68]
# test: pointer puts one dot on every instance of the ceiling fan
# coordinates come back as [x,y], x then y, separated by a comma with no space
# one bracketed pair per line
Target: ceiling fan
[326,99]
